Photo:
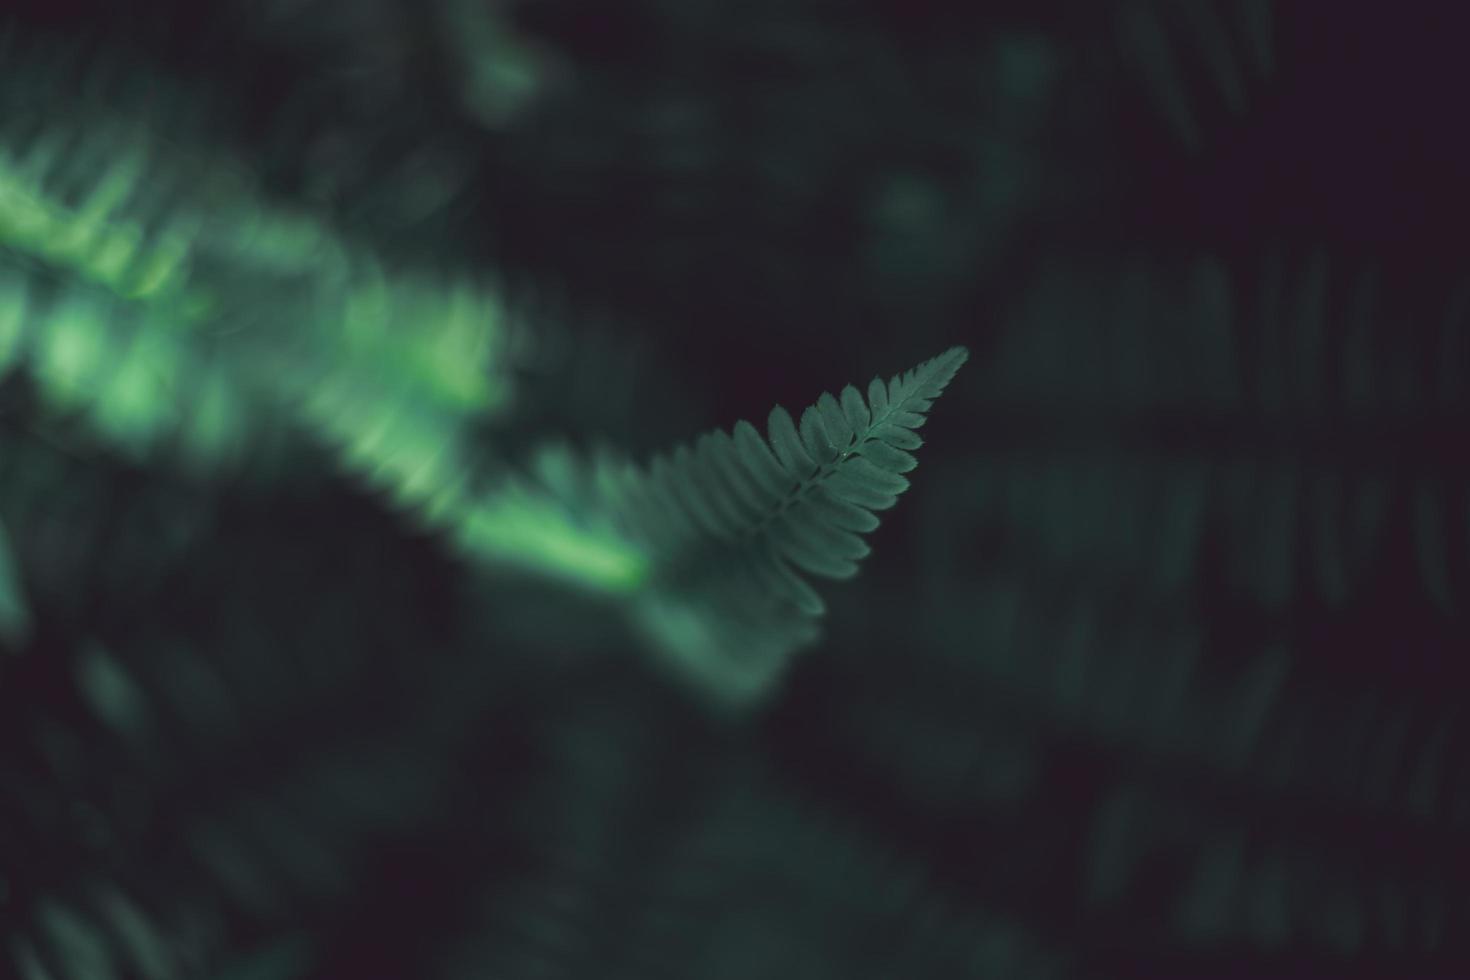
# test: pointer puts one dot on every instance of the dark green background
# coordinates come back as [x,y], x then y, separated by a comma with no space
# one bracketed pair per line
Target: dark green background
[1156,671]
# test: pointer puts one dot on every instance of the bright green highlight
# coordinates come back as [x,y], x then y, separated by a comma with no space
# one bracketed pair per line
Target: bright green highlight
[132,406]
[415,456]
[83,242]
[523,530]
[71,351]
[138,352]
[437,339]
[391,370]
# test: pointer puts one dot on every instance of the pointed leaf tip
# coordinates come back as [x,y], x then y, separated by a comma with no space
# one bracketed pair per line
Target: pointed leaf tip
[952,360]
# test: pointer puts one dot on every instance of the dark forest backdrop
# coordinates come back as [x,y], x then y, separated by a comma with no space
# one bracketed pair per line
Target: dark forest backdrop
[1155,670]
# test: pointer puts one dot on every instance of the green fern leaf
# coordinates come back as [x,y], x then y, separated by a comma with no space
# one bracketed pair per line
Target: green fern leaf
[834,421]
[878,395]
[795,587]
[787,445]
[895,435]
[819,445]
[850,487]
[856,410]
[840,513]
[756,516]
[756,457]
[889,458]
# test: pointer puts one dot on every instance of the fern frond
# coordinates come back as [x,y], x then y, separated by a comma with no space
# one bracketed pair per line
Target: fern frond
[807,491]
[1290,406]
[163,710]
[1200,60]
[712,543]
[736,524]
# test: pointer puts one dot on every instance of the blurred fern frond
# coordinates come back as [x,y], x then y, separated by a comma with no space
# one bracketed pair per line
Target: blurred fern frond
[1199,59]
[1275,411]
[140,307]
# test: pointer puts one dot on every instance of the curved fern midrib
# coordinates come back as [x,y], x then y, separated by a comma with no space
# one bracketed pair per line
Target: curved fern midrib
[795,497]
[825,470]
